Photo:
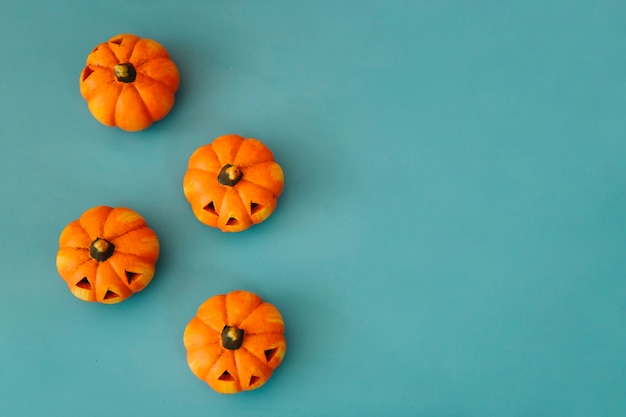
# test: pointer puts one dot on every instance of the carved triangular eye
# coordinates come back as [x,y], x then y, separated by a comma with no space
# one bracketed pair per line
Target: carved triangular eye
[255,207]
[110,295]
[84,284]
[270,353]
[132,276]
[226,376]
[254,379]
[210,208]
[87,72]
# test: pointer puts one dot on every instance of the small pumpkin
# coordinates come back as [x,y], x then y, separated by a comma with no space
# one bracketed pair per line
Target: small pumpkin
[129,82]
[235,342]
[233,183]
[107,255]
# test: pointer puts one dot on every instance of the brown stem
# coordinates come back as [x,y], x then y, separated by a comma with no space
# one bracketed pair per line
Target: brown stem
[125,73]
[229,175]
[101,249]
[232,338]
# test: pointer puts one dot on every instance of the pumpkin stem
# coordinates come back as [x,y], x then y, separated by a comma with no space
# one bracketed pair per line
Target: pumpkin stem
[232,338]
[101,249]
[125,73]
[229,175]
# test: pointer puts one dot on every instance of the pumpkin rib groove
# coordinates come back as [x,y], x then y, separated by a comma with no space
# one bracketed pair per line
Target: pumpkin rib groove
[223,159]
[259,185]
[101,229]
[222,353]
[92,92]
[265,333]
[203,171]
[125,48]
[217,156]
[99,88]
[81,264]
[270,156]
[237,367]
[143,226]
[104,45]
[237,153]
[110,107]
[143,100]
[106,219]
[243,319]
[139,257]
[203,346]
[143,103]
[161,83]
[238,194]
[262,360]
[131,57]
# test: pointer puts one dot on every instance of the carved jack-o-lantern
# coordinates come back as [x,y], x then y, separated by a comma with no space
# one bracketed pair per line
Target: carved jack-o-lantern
[233,183]
[235,342]
[107,255]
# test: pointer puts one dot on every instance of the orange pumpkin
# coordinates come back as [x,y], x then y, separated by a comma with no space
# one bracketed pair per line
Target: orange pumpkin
[233,183]
[235,342]
[107,255]
[129,82]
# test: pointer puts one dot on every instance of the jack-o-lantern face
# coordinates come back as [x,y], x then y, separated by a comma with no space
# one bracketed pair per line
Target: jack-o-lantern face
[235,342]
[233,183]
[107,255]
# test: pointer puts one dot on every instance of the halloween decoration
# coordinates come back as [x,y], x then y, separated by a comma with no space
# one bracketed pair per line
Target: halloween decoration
[129,82]
[107,255]
[235,342]
[233,183]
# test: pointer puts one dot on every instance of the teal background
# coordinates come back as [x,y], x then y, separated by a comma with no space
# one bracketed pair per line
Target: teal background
[451,237]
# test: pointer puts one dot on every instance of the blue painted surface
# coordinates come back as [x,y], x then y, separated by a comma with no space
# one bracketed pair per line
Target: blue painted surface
[451,237]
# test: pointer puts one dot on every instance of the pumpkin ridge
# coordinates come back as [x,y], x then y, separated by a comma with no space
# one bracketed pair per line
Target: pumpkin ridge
[260,186]
[106,44]
[261,360]
[147,57]
[143,102]
[81,264]
[237,153]
[243,321]
[139,257]
[222,163]
[222,353]
[264,333]
[123,39]
[98,87]
[206,171]
[245,205]
[271,157]
[143,226]
[101,230]
[157,81]
[204,346]
[238,379]
[110,107]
